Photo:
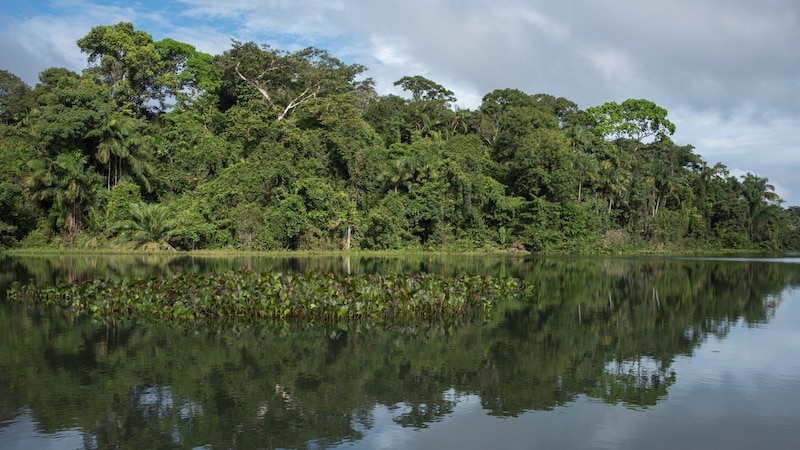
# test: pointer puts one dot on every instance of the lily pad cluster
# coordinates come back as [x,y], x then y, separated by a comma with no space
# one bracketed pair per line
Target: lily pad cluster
[309,298]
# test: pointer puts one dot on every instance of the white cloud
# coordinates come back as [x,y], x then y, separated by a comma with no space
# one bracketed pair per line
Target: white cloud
[38,43]
[612,64]
[746,143]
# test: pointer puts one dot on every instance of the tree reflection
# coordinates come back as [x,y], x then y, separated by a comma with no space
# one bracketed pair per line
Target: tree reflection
[608,329]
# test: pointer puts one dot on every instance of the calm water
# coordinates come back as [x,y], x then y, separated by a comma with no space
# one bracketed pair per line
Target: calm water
[606,353]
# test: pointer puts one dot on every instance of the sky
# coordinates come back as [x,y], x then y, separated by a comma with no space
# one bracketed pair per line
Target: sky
[728,71]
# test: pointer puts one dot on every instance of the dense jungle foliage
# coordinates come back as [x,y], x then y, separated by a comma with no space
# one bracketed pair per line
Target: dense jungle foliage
[158,145]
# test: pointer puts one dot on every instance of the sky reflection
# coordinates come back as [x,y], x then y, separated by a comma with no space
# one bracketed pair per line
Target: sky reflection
[738,392]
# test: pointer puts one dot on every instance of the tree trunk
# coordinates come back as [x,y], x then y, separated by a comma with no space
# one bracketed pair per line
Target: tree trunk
[658,203]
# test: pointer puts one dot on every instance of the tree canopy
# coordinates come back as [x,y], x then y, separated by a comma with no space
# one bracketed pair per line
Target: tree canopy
[261,148]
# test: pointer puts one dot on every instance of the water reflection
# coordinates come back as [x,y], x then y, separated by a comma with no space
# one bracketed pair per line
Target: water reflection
[611,336]
[21,432]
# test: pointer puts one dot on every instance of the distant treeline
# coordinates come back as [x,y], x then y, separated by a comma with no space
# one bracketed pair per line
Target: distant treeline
[157,144]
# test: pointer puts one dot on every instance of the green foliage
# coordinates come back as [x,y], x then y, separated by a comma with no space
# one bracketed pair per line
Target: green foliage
[67,109]
[633,119]
[308,299]
[39,237]
[191,151]
[193,71]
[423,89]
[196,230]
[16,98]
[283,80]
[503,236]
[18,212]
[149,226]
[121,197]
[9,217]
[123,151]
[387,226]
[65,184]
[272,149]
[250,227]
[127,62]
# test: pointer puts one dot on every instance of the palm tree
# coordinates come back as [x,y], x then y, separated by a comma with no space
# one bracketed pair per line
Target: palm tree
[120,149]
[400,171]
[151,226]
[587,168]
[65,182]
[762,202]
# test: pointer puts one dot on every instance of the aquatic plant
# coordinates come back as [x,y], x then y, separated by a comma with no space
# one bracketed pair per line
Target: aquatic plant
[311,298]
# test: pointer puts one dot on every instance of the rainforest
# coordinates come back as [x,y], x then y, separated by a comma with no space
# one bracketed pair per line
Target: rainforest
[156,145]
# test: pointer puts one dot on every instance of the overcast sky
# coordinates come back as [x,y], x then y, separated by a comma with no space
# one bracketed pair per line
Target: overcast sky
[728,71]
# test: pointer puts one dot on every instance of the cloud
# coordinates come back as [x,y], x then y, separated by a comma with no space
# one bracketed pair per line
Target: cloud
[768,148]
[35,44]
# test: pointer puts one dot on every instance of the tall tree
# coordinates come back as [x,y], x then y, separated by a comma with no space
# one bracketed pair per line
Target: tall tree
[423,89]
[121,149]
[543,167]
[428,112]
[762,205]
[66,184]
[16,97]
[385,115]
[68,108]
[285,80]
[632,119]
[188,73]
[127,62]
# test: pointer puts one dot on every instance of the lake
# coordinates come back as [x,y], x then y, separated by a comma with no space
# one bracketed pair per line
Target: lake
[616,353]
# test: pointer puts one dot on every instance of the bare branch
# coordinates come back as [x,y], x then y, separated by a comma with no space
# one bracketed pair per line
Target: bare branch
[304,96]
[260,89]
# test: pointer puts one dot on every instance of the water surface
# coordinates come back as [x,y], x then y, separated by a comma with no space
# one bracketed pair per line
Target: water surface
[604,353]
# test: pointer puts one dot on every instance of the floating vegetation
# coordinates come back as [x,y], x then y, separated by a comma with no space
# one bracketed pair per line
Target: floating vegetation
[285,299]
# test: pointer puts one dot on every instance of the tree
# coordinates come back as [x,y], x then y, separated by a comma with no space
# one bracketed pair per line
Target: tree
[193,70]
[543,167]
[668,165]
[289,219]
[428,113]
[16,97]
[385,116]
[190,149]
[614,176]
[149,226]
[633,119]
[66,184]
[337,122]
[508,119]
[18,212]
[328,218]
[762,205]
[127,62]
[587,169]
[121,150]
[423,89]
[9,212]
[67,109]
[119,201]
[285,80]
[387,225]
